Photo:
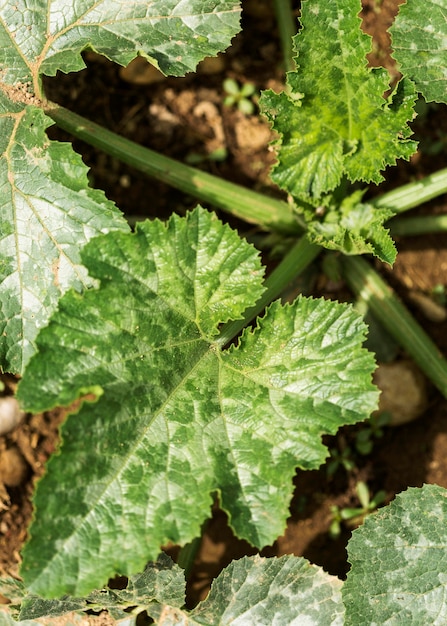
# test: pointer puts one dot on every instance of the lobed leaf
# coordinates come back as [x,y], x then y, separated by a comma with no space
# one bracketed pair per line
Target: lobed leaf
[336,121]
[419,37]
[176,418]
[399,562]
[43,36]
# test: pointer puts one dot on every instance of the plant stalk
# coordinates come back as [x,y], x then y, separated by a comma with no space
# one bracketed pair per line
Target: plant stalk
[395,317]
[287,29]
[418,225]
[295,261]
[414,194]
[267,213]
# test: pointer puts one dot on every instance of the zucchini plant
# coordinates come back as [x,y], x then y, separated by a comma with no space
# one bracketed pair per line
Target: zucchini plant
[193,382]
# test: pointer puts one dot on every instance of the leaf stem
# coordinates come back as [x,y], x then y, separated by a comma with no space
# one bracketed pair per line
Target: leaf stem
[295,261]
[268,213]
[396,318]
[413,194]
[287,29]
[418,225]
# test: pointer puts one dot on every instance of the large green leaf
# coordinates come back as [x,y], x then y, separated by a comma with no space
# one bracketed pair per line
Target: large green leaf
[399,563]
[47,213]
[177,418]
[419,37]
[43,36]
[336,121]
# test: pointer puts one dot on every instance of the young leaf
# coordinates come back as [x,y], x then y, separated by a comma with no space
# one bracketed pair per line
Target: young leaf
[254,590]
[43,36]
[177,418]
[352,226]
[336,121]
[418,39]
[399,562]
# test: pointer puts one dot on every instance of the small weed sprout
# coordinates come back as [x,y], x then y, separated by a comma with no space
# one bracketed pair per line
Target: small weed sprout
[241,96]
[364,441]
[352,517]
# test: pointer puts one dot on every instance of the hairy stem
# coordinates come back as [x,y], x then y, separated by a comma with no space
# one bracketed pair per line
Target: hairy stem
[395,317]
[418,225]
[268,213]
[414,194]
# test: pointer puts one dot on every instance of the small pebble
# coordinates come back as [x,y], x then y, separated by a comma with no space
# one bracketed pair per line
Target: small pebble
[403,391]
[10,414]
[13,467]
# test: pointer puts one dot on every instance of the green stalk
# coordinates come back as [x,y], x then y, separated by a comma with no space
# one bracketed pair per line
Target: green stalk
[295,261]
[268,213]
[287,29]
[418,225]
[411,195]
[395,317]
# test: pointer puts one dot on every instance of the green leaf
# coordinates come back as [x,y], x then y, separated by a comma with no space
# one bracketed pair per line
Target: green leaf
[286,590]
[335,121]
[177,418]
[353,227]
[399,562]
[419,43]
[41,37]
[161,582]
[47,213]
[254,590]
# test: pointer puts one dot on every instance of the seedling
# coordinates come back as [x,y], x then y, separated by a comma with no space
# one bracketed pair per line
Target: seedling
[352,517]
[241,96]
[373,429]
[340,459]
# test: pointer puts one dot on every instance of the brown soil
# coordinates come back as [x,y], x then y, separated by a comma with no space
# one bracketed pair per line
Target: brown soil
[185,118]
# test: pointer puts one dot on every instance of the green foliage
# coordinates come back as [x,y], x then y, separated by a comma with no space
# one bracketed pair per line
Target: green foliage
[392,581]
[256,590]
[334,123]
[398,560]
[42,36]
[240,96]
[354,516]
[134,326]
[199,419]
[419,46]
[48,211]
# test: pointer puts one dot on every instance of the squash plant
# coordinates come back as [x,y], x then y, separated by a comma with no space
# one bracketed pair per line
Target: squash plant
[141,328]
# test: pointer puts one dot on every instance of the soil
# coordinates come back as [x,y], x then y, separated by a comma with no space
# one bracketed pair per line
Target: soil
[185,118]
